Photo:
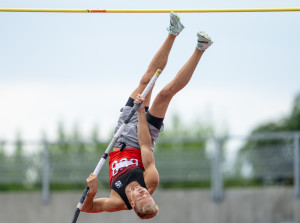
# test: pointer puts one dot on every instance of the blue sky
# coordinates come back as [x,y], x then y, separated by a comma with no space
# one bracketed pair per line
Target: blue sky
[80,68]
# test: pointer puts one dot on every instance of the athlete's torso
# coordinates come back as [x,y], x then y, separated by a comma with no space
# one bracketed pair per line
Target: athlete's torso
[121,161]
[125,167]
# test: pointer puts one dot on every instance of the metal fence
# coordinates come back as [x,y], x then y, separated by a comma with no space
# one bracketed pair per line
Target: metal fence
[264,159]
[270,158]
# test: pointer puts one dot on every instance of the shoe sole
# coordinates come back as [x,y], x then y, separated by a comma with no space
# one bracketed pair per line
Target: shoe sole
[175,15]
[203,35]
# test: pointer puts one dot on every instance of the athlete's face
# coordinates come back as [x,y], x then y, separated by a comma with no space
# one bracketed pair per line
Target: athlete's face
[140,196]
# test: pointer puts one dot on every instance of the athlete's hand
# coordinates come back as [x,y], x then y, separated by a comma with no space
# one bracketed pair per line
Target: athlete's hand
[139,100]
[92,182]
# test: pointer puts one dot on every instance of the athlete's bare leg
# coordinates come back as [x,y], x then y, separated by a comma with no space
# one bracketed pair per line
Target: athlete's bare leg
[161,57]
[162,100]
[159,61]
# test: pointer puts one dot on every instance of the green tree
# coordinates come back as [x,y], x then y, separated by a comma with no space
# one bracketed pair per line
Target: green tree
[19,162]
[275,166]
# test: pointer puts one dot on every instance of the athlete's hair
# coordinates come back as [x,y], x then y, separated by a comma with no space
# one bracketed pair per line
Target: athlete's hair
[147,211]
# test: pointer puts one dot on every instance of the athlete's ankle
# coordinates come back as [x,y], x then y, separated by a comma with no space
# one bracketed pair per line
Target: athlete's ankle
[171,36]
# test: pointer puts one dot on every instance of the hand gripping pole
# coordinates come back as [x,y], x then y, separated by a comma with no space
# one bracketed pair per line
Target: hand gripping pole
[111,144]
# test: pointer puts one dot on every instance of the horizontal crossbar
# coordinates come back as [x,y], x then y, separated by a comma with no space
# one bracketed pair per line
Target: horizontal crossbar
[148,10]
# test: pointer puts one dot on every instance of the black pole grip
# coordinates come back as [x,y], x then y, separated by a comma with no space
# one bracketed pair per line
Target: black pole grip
[77,211]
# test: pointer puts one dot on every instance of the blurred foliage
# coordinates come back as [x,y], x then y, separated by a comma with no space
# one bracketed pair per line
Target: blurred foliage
[289,123]
[251,152]
[69,150]
[174,145]
[180,129]
[19,166]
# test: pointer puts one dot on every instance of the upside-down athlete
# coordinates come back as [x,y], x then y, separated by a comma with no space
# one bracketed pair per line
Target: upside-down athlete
[133,176]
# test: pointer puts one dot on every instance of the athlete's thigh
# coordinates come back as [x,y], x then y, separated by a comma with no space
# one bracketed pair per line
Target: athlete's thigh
[160,105]
[142,85]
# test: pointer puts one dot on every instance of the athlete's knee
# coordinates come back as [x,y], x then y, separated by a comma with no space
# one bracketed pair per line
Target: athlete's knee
[145,80]
[167,92]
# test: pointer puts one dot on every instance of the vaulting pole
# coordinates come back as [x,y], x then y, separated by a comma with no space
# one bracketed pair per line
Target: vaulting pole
[112,142]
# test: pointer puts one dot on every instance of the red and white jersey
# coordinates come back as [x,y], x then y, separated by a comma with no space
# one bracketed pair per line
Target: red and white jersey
[121,161]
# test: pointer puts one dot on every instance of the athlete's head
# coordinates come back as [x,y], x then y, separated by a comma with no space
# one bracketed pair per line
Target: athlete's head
[143,203]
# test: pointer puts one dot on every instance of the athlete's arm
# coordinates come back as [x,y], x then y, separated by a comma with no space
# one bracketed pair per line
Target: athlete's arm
[151,175]
[92,205]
